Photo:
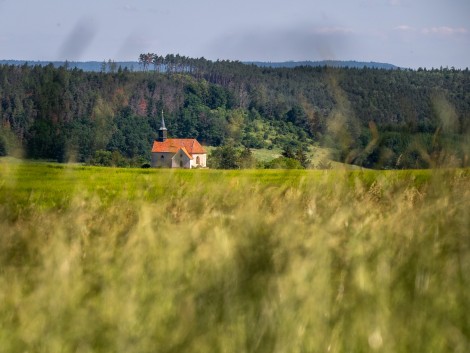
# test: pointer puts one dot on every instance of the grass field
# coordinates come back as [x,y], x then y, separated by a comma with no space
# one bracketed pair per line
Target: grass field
[131,260]
[315,154]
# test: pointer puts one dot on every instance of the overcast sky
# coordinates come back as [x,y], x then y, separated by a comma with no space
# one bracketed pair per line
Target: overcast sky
[407,33]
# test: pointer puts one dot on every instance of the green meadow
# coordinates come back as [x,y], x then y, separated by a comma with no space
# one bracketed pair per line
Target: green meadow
[138,260]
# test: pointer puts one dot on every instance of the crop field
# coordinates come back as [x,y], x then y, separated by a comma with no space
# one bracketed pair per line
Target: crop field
[137,260]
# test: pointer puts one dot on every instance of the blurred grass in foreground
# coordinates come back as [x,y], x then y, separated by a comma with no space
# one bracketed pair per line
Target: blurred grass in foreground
[122,260]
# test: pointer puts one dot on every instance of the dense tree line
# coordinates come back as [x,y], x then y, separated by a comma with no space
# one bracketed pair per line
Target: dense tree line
[370,117]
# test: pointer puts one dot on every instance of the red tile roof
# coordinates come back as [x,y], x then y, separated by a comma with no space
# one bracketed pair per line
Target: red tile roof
[173,145]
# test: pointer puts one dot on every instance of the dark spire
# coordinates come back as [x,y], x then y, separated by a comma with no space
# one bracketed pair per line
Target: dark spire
[162,132]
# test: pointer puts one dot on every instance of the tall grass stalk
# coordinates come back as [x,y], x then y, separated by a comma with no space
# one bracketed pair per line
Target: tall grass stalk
[114,260]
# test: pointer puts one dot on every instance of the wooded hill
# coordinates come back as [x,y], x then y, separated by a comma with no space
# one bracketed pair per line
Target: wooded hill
[370,117]
[142,64]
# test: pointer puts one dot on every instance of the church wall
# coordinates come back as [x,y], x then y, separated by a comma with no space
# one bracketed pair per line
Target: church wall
[159,162]
[180,160]
[202,160]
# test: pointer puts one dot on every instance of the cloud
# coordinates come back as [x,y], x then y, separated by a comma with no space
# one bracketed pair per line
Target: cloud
[78,40]
[129,8]
[405,28]
[381,3]
[440,31]
[331,30]
[445,31]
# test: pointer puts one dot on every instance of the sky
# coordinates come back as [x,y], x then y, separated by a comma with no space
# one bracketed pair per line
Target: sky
[406,33]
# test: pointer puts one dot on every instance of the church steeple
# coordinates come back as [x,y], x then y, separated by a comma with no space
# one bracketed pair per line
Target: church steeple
[162,132]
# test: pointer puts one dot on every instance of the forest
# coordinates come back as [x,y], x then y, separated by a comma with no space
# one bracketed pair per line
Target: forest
[374,118]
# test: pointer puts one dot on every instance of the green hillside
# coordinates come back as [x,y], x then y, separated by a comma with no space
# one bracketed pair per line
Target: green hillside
[374,118]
